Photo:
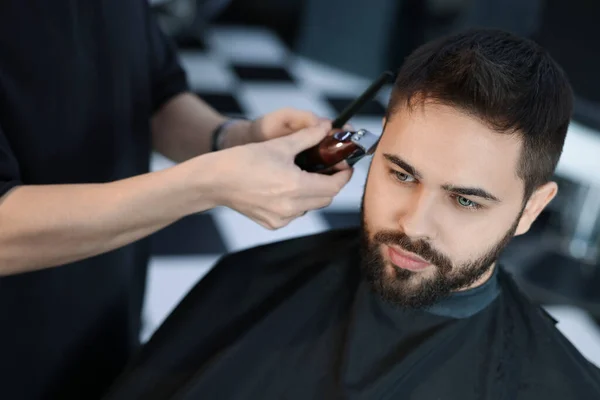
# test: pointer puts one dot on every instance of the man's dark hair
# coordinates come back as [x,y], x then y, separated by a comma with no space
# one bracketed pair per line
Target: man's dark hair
[510,83]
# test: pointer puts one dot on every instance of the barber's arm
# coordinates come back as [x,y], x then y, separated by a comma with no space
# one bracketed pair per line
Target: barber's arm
[49,225]
[254,173]
[255,167]
[43,226]
[183,127]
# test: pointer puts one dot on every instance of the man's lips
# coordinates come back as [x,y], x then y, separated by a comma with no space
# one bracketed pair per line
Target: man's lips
[406,260]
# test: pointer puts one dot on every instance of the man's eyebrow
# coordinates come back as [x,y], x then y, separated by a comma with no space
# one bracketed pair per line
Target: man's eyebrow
[471,191]
[463,191]
[403,164]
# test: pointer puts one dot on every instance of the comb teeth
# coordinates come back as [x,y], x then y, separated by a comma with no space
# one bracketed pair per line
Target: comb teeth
[366,96]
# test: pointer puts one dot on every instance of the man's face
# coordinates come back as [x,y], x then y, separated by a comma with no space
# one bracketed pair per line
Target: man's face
[441,201]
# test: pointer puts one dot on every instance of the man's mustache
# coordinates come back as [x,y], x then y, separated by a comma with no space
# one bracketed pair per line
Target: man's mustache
[420,247]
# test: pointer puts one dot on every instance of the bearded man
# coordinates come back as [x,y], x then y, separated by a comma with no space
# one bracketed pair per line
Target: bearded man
[413,304]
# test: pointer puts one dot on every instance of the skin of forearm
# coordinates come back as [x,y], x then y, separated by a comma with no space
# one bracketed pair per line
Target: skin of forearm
[183,127]
[51,225]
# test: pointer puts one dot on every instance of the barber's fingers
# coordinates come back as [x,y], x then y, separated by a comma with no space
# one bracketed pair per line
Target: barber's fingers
[300,119]
[320,185]
[342,165]
[303,139]
[316,203]
[307,207]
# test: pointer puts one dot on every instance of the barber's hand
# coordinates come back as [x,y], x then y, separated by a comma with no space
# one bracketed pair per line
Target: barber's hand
[261,181]
[281,123]
[273,125]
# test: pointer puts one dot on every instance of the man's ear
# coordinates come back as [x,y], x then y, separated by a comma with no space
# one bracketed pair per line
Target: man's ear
[540,198]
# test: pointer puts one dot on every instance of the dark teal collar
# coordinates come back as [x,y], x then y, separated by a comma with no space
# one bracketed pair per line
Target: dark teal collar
[469,302]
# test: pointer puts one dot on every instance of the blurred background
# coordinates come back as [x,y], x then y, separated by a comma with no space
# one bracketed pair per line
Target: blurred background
[249,57]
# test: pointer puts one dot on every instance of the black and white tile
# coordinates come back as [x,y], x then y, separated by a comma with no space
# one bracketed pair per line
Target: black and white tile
[249,72]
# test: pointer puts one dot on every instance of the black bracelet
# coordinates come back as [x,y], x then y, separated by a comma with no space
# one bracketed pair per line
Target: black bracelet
[215,143]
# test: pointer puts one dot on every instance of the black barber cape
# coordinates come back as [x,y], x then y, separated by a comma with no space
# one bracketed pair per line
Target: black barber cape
[79,83]
[294,320]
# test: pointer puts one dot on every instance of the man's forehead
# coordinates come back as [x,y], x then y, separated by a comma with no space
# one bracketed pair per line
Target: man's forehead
[444,144]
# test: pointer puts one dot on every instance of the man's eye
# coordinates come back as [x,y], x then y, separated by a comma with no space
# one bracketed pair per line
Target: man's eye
[402,177]
[466,203]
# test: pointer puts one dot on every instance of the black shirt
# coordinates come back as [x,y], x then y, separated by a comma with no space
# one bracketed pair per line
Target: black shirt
[79,81]
[296,320]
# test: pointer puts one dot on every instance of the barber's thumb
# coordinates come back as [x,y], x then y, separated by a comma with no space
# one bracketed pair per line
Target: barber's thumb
[343,177]
[308,137]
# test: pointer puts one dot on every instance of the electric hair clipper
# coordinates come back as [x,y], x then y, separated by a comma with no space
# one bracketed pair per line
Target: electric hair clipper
[341,145]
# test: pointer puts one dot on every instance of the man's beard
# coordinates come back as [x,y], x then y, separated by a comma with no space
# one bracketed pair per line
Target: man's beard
[398,289]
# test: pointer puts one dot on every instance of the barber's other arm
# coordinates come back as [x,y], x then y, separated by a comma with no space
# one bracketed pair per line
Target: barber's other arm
[183,127]
[256,173]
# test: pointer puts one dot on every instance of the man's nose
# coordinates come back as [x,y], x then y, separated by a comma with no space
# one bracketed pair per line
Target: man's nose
[416,218]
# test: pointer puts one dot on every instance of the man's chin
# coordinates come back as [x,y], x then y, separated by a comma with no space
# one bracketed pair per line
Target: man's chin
[409,298]
[398,286]
[405,289]
[394,276]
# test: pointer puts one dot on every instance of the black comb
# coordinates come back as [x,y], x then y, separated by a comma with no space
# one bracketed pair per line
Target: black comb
[367,96]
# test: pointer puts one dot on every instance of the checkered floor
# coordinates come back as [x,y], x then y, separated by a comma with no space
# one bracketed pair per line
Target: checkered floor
[248,72]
